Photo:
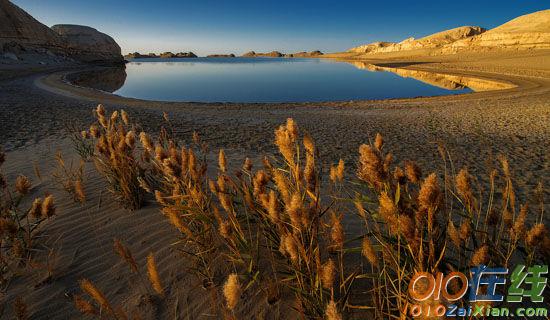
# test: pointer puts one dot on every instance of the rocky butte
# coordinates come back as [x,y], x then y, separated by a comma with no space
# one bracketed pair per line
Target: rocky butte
[26,40]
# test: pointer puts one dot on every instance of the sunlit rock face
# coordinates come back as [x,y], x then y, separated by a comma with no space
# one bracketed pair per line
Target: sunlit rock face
[89,45]
[530,31]
[436,40]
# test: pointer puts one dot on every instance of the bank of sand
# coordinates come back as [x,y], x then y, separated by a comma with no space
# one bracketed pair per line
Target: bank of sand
[475,128]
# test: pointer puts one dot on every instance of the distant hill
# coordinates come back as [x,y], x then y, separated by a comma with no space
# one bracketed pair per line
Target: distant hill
[530,31]
[436,40]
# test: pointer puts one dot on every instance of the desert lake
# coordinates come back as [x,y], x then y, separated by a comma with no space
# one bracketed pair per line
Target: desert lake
[268,80]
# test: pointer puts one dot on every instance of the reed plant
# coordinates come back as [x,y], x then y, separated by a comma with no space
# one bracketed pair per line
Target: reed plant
[269,223]
[418,223]
[80,139]
[116,157]
[19,223]
[93,300]
[70,178]
[277,230]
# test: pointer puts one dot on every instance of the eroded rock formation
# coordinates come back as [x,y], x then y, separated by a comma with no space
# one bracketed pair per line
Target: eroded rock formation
[436,40]
[24,38]
[88,45]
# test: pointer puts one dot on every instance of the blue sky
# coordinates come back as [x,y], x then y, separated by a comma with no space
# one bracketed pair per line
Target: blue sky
[208,26]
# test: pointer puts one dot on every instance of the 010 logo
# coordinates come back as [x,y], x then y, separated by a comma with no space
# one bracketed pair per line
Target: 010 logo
[431,291]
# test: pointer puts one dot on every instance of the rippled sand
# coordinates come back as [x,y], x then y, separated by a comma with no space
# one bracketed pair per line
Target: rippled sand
[475,128]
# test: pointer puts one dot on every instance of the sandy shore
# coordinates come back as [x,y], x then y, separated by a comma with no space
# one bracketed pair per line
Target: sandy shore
[475,128]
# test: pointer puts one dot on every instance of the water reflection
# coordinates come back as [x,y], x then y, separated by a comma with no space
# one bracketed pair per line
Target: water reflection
[272,80]
[105,79]
[444,81]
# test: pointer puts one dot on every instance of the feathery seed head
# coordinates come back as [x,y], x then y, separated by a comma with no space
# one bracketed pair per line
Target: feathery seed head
[94,131]
[371,169]
[232,291]
[378,142]
[130,139]
[273,208]
[292,128]
[369,252]
[96,294]
[337,232]
[454,234]
[505,166]
[48,207]
[536,235]
[428,196]
[463,185]
[295,210]
[480,256]
[22,184]
[282,186]
[36,208]
[387,209]
[308,144]
[518,228]
[100,110]
[114,116]
[124,117]
[290,247]
[153,274]
[465,230]
[125,254]
[285,143]
[146,141]
[340,170]
[259,182]
[222,161]
[328,271]
[332,311]
[413,172]
[79,194]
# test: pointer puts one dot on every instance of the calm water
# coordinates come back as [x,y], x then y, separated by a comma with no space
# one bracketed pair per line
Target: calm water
[265,80]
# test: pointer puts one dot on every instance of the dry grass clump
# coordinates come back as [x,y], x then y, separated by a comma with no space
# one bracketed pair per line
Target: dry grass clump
[116,157]
[422,224]
[277,230]
[100,306]
[18,225]
[70,178]
[267,223]
[81,141]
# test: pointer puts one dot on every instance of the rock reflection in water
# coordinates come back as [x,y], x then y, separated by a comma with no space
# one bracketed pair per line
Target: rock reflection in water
[108,79]
[445,81]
